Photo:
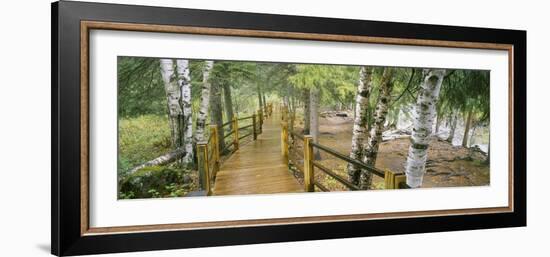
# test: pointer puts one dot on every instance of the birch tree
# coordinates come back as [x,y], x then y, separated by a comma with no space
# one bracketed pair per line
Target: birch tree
[425,112]
[184,82]
[375,133]
[204,102]
[360,122]
[173,96]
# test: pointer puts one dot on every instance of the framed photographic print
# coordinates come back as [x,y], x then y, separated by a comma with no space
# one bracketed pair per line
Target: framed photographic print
[178,128]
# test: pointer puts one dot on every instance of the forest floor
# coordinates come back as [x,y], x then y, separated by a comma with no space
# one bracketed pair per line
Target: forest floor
[447,165]
[141,139]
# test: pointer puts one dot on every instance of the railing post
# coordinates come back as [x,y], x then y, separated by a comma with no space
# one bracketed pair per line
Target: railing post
[215,146]
[389,179]
[204,172]
[392,180]
[284,140]
[235,133]
[400,180]
[255,134]
[308,164]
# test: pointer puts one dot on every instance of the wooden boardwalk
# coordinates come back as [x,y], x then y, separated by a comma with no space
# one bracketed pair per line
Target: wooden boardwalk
[257,167]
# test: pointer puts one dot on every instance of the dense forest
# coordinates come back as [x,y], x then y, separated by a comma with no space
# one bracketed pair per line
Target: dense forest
[433,124]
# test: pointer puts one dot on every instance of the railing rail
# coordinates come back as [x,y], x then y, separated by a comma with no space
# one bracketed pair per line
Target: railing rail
[355,162]
[392,180]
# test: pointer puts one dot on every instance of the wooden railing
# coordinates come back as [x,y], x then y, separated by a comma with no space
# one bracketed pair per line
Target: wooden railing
[208,151]
[392,180]
[208,159]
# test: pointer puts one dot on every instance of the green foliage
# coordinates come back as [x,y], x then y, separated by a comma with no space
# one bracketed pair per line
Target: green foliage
[140,87]
[337,83]
[155,182]
[465,90]
[141,139]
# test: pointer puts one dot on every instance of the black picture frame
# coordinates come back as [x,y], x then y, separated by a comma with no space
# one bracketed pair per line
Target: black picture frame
[66,235]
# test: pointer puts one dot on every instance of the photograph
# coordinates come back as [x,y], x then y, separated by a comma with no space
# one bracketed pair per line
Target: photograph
[193,127]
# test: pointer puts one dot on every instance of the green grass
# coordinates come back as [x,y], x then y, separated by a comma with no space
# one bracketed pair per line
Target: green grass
[141,139]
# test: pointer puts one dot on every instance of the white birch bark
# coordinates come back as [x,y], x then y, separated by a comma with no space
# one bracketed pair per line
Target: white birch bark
[184,82]
[375,134]
[173,96]
[204,104]
[163,159]
[360,122]
[425,112]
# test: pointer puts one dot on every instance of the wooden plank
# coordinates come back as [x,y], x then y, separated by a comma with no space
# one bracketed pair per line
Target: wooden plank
[257,167]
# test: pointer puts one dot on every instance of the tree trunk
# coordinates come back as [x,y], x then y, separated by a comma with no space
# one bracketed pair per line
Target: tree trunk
[354,110]
[369,119]
[307,111]
[216,116]
[425,112]
[260,104]
[453,127]
[437,123]
[360,122]
[173,95]
[286,102]
[293,112]
[161,160]
[314,118]
[205,100]
[292,99]
[263,101]
[471,140]
[228,103]
[184,82]
[375,135]
[467,129]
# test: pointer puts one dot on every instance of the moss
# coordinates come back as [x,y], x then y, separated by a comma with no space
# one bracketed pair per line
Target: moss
[154,182]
